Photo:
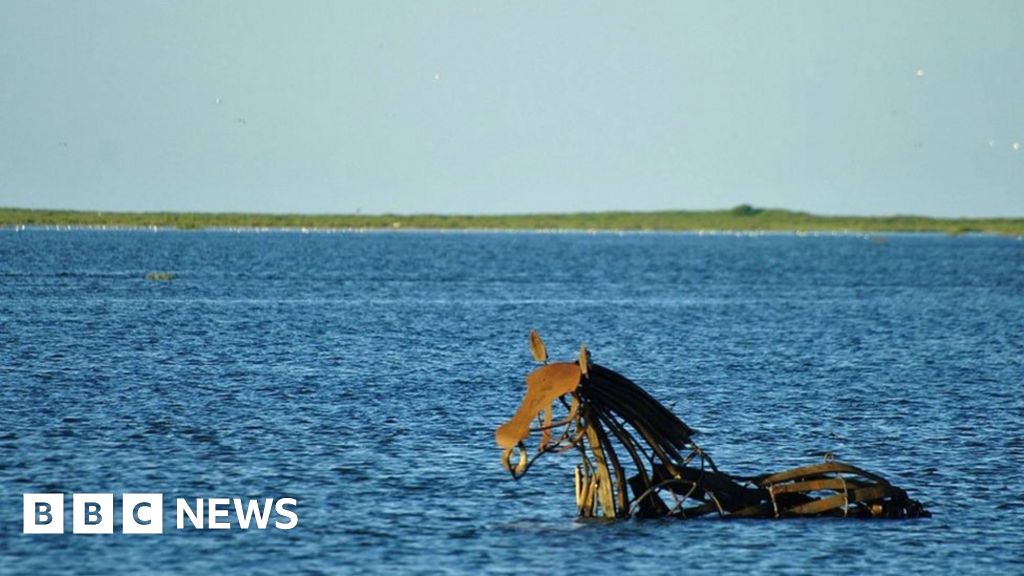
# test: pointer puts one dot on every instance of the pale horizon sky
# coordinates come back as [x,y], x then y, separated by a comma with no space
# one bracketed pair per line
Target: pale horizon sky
[864,107]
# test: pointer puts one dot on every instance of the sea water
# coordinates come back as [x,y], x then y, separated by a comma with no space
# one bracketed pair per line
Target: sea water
[363,374]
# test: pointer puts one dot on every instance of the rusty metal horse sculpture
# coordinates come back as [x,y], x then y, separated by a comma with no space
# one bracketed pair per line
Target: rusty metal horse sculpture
[607,418]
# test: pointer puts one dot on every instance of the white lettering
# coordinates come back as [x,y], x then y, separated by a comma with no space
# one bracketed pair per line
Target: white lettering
[253,510]
[184,510]
[282,510]
[218,509]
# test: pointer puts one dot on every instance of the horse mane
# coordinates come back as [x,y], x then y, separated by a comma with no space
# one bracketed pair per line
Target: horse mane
[610,393]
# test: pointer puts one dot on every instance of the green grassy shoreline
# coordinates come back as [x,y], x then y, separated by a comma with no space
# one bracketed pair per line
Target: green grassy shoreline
[740,218]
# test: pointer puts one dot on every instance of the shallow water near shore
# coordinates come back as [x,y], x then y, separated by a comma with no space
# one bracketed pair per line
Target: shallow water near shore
[364,374]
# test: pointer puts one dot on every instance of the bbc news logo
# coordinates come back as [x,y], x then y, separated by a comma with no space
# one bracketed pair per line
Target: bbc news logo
[144,513]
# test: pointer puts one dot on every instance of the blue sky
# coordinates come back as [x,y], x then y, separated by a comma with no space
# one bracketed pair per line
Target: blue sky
[511,107]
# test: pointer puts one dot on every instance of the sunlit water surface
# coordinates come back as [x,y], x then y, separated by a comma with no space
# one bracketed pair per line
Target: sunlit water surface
[364,374]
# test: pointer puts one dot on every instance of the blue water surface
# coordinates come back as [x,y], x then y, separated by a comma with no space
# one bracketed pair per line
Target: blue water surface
[364,373]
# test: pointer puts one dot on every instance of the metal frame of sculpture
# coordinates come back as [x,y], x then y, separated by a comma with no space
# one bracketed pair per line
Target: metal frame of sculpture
[638,459]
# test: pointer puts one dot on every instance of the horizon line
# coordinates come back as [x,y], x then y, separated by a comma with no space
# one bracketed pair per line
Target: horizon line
[738,209]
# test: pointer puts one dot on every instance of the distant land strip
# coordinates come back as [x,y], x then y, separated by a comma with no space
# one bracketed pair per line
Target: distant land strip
[742,218]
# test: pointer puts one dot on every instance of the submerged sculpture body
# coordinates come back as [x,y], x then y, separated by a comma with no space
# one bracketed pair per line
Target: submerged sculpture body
[639,459]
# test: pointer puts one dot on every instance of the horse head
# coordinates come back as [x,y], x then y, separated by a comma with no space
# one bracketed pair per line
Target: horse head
[546,390]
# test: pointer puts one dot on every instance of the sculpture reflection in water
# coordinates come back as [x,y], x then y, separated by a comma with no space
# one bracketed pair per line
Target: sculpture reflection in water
[638,459]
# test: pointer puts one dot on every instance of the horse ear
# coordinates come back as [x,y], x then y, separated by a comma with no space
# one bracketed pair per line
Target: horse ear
[584,359]
[537,348]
